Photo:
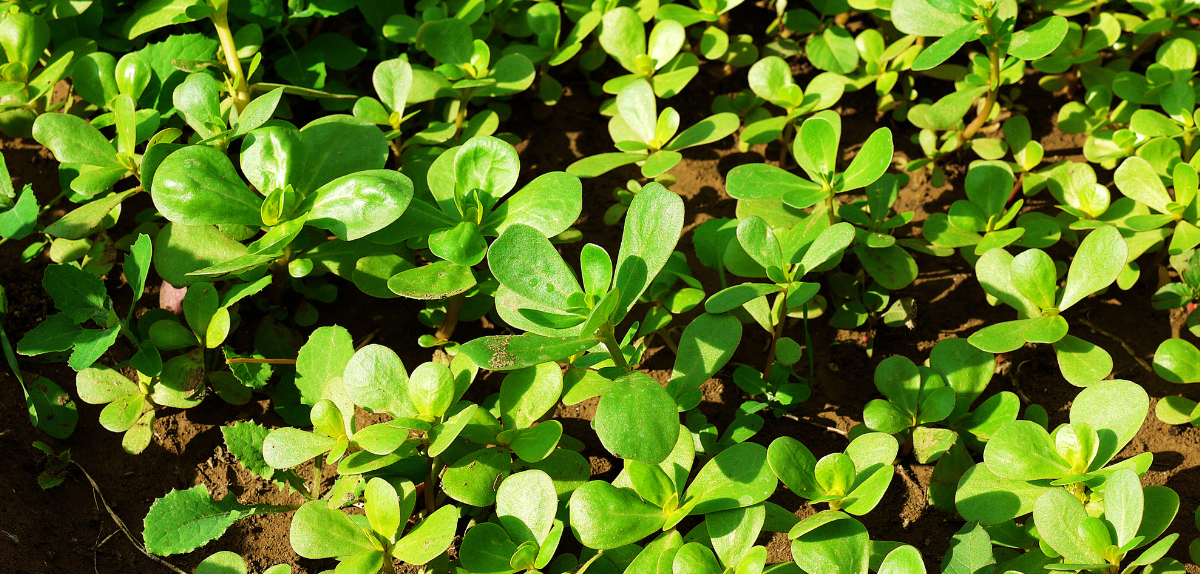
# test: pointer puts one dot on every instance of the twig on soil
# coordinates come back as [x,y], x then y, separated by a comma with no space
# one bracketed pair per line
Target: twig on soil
[816,424]
[1124,345]
[911,480]
[370,337]
[11,536]
[121,523]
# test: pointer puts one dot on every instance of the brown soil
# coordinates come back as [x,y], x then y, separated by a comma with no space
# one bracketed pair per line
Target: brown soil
[67,529]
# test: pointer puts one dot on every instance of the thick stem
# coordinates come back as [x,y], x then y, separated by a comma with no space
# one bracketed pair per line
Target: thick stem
[781,301]
[666,337]
[253,360]
[614,347]
[784,143]
[431,486]
[989,103]
[585,566]
[1153,39]
[1189,138]
[453,310]
[318,475]
[829,207]
[241,88]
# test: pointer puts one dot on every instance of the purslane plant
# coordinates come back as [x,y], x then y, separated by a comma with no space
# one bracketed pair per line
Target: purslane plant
[656,59]
[1023,461]
[1029,283]
[854,481]
[648,138]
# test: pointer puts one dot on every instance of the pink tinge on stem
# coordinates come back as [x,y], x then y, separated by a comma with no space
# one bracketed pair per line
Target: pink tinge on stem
[170,297]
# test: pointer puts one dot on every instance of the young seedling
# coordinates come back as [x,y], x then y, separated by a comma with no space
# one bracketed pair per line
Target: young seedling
[854,481]
[325,176]
[657,500]
[917,397]
[370,545]
[771,79]
[527,534]
[648,138]
[1022,461]
[982,222]
[1139,180]
[552,48]
[1029,284]
[471,201]
[26,90]
[1134,517]
[883,257]
[816,150]
[958,22]
[562,318]
[658,61]
[50,408]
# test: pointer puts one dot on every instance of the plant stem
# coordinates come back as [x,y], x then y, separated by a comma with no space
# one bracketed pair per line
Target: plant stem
[318,474]
[829,207]
[783,143]
[431,485]
[614,347]
[1145,45]
[584,568]
[781,301]
[666,337]
[255,360]
[812,358]
[990,102]
[453,308]
[241,88]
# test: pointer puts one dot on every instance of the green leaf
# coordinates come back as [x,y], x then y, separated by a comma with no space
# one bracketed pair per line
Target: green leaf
[472,479]
[77,293]
[1177,361]
[947,46]
[257,112]
[905,560]
[818,140]
[871,162]
[56,413]
[181,249]
[337,146]
[695,558]
[762,181]
[1039,39]
[244,441]
[287,447]
[706,131]
[919,18]
[359,204]
[892,266]
[652,228]
[985,497]
[525,506]
[549,204]
[392,80]
[1116,410]
[1059,516]
[636,106]
[73,140]
[734,531]
[736,477]
[1033,274]
[184,520]
[970,552]
[760,243]
[382,507]
[431,390]
[21,219]
[528,394]
[833,50]
[91,345]
[448,40]
[523,260]
[733,297]
[434,282]
[1082,363]
[600,164]
[636,419]
[321,360]
[1100,258]
[57,333]
[837,547]
[319,531]
[623,36]
[1023,450]
[706,345]
[1137,180]
[198,185]
[222,563]
[487,549]
[487,164]
[198,99]
[993,271]
[604,517]
[155,14]
[430,538]
[1123,504]
[508,352]
[137,265]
